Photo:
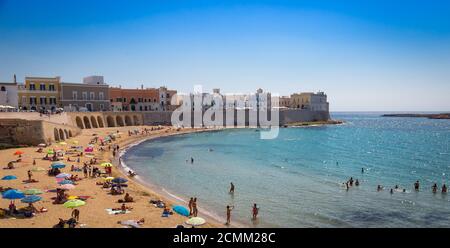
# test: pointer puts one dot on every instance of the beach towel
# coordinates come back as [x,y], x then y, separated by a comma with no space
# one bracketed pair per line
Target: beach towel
[110,211]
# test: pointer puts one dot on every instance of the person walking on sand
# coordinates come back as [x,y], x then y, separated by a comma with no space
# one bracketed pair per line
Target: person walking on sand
[231,188]
[29,176]
[191,202]
[76,214]
[229,209]
[194,207]
[255,211]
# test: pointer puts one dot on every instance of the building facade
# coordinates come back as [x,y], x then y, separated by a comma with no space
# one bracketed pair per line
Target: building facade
[134,99]
[40,93]
[310,101]
[91,95]
[9,94]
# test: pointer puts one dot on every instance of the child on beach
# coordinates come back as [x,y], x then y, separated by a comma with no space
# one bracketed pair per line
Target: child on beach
[229,209]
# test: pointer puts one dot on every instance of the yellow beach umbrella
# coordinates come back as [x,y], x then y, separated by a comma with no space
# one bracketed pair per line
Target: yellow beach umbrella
[75,142]
[72,197]
[62,143]
[108,178]
[106,164]
[74,203]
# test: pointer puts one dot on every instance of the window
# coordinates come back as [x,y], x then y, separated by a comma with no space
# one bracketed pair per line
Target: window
[51,87]
[43,100]
[74,95]
[101,96]
[52,100]
[102,107]
[91,95]
[24,99]
[32,86]
[139,99]
[42,87]
[84,95]
[33,100]
[124,99]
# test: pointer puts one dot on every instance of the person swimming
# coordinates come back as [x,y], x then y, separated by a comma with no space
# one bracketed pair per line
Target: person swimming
[444,188]
[356,182]
[416,185]
[434,188]
[379,188]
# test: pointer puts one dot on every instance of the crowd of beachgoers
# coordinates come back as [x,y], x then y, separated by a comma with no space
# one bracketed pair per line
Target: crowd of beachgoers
[355,182]
[76,183]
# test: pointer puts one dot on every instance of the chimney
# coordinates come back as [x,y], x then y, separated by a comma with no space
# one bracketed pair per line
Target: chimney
[142,86]
[15,79]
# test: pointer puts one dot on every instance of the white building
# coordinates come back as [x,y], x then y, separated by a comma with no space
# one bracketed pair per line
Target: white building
[9,94]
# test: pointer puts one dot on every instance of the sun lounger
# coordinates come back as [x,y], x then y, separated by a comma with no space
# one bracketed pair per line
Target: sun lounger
[115,212]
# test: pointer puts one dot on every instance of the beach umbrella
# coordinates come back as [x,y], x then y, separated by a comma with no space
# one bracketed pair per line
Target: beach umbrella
[119,180]
[42,145]
[58,165]
[106,165]
[75,142]
[31,199]
[63,175]
[13,194]
[32,192]
[196,221]
[9,177]
[50,151]
[38,169]
[74,203]
[18,152]
[181,210]
[72,197]
[67,186]
[62,143]
[65,182]
[108,178]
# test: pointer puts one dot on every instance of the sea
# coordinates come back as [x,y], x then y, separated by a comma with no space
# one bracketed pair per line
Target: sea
[297,179]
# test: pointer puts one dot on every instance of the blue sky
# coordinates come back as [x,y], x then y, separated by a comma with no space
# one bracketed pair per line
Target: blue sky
[366,55]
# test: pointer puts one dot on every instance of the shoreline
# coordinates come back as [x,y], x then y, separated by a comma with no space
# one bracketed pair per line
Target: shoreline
[122,167]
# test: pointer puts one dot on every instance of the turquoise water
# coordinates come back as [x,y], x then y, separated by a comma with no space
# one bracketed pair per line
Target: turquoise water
[296,180]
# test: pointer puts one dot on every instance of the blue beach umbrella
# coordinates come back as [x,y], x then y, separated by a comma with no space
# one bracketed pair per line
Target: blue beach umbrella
[65,182]
[13,194]
[58,166]
[119,180]
[9,177]
[31,199]
[181,210]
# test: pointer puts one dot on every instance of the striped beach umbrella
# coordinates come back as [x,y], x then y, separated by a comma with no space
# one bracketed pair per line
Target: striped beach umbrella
[119,180]
[63,175]
[106,164]
[67,186]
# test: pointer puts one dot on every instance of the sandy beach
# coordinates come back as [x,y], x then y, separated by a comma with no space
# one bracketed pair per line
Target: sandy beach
[93,214]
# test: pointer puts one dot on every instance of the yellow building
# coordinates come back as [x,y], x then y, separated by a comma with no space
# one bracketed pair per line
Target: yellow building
[40,93]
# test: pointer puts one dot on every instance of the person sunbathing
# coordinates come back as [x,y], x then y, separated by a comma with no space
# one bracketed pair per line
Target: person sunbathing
[10,166]
[123,208]
[127,198]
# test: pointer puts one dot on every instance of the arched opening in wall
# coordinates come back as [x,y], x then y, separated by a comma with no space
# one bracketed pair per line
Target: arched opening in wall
[79,122]
[110,121]
[100,121]
[119,121]
[66,133]
[56,134]
[70,134]
[136,120]
[128,121]
[87,124]
[61,134]
[94,122]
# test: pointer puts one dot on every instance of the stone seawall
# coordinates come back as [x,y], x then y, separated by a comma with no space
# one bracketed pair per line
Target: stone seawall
[34,132]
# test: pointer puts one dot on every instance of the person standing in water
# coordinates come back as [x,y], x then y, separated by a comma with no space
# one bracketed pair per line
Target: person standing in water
[194,207]
[255,211]
[416,185]
[229,214]
[192,160]
[362,170]
[231,188]
[191,202]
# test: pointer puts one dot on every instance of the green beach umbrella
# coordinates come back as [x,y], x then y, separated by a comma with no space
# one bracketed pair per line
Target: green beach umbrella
[50,152]
[33,192]
[74,203]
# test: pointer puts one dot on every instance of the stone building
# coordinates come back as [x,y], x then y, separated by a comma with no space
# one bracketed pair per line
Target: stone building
[310,101]
[148,99]
[91,95]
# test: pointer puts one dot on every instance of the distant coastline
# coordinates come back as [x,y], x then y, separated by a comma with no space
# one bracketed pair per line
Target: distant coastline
[314,123]
[429,116]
